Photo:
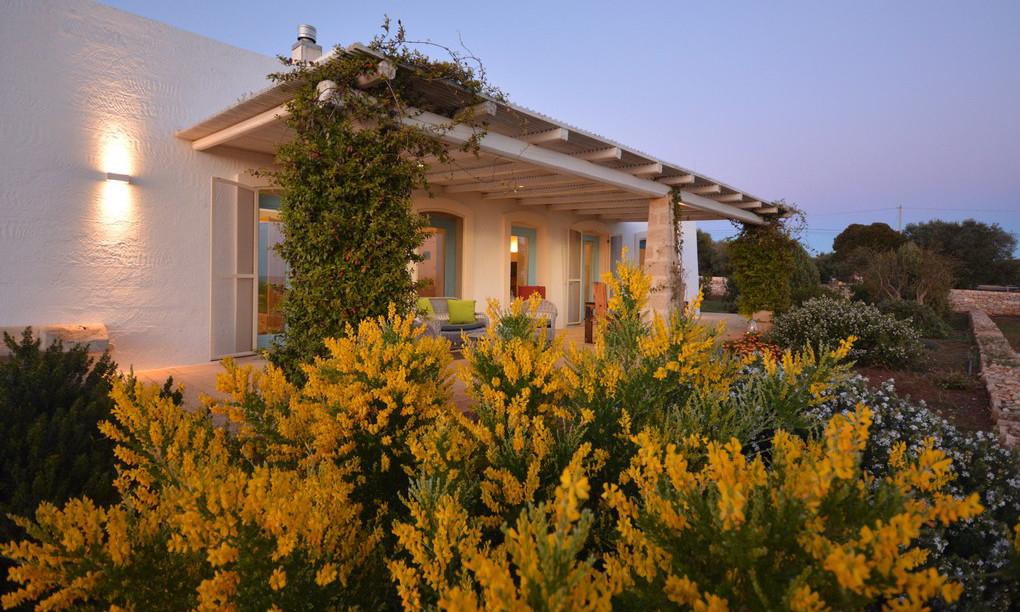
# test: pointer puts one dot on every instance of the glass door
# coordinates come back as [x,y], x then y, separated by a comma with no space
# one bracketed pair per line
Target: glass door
[432,267]
[232,269]
[272,272]
[575,313]
[589,267]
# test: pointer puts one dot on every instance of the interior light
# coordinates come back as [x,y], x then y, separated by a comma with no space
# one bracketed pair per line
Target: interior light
[116,177]
[513,244]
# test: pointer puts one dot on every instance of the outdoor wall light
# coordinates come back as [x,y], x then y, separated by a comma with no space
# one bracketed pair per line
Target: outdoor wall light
[513,244]
[116,177]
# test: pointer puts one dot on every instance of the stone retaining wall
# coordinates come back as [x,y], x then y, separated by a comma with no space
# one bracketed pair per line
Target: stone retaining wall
[992,302]
[1000,368]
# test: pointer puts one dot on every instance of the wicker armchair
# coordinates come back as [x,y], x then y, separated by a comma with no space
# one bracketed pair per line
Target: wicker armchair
[546,313]
[438,324]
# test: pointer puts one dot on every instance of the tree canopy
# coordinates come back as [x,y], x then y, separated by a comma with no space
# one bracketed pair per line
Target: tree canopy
[878,237]
[982,252]
[712,258]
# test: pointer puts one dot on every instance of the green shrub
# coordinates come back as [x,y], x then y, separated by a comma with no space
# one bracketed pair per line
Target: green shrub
[925,320]
[824,322]
[51,403]
[762,259]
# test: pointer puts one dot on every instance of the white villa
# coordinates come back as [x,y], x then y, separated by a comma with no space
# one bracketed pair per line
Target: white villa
[128,205]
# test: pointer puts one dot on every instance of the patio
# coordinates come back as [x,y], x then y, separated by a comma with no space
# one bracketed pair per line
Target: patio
[200,379]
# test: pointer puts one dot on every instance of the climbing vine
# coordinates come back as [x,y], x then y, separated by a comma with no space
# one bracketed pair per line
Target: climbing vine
[762,259]
[678,286]
[359,151]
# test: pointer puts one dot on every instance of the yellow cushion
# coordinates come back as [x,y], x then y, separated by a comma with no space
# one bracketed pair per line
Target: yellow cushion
[461,311]
[425,307]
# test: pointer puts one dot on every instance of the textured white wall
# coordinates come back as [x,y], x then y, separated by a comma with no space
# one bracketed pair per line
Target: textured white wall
[86,89]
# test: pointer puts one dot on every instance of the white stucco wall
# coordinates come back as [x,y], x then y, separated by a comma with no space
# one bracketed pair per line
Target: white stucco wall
[87,89]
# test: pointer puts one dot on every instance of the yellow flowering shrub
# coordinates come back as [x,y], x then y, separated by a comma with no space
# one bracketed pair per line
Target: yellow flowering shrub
[539,565]
[197,526]
[657,469]
[712,528]
[515,376]
[363,404]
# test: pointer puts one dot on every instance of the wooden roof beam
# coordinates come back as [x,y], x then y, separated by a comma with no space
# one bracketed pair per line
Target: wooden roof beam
[479,111]
[705,190]
[598,197]
[241,128]
[618,203]
[553,135]
[507,147]
[384,71]
[729,198]
[511,183]
[597,155]
[613,210]
[644,169]
[709,205]
[565,190]
[683,179]
[481,173]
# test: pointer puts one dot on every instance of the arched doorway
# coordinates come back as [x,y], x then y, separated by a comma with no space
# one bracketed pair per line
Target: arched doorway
[441,252]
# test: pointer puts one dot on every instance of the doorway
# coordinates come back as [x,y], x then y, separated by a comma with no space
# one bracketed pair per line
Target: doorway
[583,270]
[440,252]
[272,271]
[523,259]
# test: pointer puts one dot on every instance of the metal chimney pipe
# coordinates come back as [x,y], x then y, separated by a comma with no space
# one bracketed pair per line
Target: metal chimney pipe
[306,32]
[305,49]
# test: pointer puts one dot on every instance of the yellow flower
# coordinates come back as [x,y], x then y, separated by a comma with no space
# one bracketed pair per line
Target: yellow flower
[278,579]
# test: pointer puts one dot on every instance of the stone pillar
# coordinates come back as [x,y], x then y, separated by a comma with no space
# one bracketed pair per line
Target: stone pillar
[661,258]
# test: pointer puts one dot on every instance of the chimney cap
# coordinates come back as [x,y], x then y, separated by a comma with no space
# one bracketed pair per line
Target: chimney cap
[306,32]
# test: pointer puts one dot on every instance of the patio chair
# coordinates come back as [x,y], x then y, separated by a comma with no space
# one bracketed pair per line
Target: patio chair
[546,313]
[438,323]
[546,310]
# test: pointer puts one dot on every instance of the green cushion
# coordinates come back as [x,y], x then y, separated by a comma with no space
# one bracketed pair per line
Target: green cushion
[461,311]
[425,306]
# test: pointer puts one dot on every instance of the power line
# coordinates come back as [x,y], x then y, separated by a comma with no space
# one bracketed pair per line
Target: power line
[986,210]
[871,210]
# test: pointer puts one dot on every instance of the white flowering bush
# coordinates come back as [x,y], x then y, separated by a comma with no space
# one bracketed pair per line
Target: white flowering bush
[977,552]
[822,323]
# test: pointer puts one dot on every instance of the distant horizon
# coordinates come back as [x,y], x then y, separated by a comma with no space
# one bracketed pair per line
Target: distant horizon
[847,110]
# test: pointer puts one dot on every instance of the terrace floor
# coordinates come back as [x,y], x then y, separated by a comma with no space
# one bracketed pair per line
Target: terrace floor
[200,379]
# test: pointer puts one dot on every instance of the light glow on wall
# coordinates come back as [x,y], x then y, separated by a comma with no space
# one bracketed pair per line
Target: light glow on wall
[513,244]
[116,161]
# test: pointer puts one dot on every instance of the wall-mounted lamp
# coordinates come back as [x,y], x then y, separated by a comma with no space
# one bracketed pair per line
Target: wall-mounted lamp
[513,244]
[115,177]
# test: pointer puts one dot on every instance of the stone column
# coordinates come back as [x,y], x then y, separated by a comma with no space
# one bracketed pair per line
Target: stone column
[662,261]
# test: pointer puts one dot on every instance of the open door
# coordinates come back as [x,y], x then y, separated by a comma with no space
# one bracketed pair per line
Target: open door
[233,257]
[575,313]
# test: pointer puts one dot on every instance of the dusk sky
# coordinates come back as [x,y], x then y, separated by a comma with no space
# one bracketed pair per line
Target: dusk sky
[847,109]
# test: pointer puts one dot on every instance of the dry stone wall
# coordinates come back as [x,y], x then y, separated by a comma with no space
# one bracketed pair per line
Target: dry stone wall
[1000,368]
[992,302]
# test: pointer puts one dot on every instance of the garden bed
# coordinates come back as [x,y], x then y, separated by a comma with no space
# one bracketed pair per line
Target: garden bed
[1010,326]
[947,379]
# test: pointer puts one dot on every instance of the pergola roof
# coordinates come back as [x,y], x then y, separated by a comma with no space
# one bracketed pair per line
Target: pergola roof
[524,156]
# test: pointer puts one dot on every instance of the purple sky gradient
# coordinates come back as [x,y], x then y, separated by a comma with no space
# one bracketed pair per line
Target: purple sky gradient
[839,107]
